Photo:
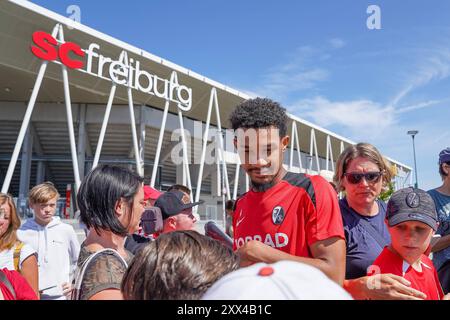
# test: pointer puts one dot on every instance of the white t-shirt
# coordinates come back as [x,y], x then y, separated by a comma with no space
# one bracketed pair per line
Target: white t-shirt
[7,256]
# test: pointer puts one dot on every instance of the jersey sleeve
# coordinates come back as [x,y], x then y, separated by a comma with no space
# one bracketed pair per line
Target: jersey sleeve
[325,219]
[236,215]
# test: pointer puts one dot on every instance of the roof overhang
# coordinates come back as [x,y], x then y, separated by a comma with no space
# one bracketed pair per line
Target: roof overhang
[19,67]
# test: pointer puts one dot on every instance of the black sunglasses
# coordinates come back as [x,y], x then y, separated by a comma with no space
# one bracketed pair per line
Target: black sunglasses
[355,178]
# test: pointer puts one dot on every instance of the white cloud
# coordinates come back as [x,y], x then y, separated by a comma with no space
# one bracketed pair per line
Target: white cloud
[281,83]
[358,116]
[435,67]
[418,106]
[301,71]
[337,43]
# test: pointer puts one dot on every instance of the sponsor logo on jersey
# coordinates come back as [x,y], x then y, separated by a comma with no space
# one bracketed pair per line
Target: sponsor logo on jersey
[241,218]
[278,240]
[278,215]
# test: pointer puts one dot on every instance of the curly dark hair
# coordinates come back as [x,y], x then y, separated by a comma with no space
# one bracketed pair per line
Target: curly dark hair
[259,113]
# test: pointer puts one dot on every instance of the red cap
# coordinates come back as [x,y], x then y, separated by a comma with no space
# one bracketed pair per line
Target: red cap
[265,271]
[151,193]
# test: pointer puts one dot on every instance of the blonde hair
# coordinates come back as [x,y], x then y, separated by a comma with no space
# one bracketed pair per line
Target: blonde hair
[42,193]
[9,238]
[363,150]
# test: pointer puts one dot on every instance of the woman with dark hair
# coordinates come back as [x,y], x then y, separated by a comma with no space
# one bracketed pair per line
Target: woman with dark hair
[111,202]
[179,265]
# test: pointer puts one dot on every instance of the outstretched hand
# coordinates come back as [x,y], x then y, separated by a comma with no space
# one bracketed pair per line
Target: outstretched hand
[389,287]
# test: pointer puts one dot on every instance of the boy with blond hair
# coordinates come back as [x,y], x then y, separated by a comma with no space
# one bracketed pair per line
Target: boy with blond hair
[55,242]
[412,221]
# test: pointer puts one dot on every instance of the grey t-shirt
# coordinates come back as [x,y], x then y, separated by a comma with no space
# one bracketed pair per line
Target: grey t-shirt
[106,272]
[443,210]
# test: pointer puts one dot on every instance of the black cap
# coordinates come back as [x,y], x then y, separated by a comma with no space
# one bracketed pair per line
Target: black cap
[171,203]
[411,204]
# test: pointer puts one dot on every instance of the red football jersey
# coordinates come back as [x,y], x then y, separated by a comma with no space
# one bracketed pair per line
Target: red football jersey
[290,216]
[426,281]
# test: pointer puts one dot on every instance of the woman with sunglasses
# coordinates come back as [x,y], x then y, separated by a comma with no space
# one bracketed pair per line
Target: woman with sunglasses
[362,174]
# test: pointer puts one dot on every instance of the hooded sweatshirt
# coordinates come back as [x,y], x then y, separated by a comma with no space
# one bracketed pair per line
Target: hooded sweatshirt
[57,247]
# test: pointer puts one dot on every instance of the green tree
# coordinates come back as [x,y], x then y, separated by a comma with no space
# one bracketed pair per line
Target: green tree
[387,194]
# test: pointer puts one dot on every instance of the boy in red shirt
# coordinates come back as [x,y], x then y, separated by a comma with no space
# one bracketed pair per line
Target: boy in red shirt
[412,221]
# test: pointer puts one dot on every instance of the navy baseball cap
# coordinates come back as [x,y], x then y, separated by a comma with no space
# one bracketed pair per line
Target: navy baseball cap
[171,203]
[411,204]
[444,155]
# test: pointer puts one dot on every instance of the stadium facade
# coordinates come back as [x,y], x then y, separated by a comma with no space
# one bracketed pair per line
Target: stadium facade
[72,97]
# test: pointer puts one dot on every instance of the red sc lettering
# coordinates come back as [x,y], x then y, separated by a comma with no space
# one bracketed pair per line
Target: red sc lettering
[46,49]
[64,50]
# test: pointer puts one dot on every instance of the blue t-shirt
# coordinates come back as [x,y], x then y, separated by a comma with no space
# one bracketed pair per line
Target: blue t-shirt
[443,210]
[362,248]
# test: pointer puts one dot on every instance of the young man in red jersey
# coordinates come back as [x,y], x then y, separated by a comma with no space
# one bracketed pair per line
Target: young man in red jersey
[285,216]
[412,221]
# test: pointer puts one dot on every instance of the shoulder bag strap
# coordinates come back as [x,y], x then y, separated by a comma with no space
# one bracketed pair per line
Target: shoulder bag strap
[16,256]
[79,273]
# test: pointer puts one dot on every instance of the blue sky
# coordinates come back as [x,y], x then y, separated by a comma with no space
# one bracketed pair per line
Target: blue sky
[317,58]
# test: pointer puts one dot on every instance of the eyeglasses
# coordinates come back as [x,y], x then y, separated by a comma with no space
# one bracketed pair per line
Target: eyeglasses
[371,177]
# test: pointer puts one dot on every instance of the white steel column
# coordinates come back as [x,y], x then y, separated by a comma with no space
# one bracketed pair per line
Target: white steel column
[219,172]
[81,139]
[236,180]
[247,182]
[185,152]
[133,133]
[297,144]
[104,125]
[313,144]
[329,153]
[142,126]
[291,153]
[212,99]
[158,148]
[221,150]
[25,167]
[26,121]
[73,148]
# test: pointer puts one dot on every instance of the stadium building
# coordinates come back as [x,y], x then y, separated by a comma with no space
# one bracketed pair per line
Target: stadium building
[72,97]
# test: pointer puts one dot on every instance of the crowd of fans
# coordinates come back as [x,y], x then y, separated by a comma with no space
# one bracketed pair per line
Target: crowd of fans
[293,236]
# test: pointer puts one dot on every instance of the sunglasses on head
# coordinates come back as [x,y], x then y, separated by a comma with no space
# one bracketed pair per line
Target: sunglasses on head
[355,178]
